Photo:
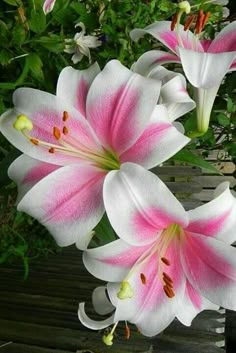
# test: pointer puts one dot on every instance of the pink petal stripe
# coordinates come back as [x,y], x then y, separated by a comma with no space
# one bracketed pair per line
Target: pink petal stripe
[225,41]
[70,199]
[114,113]
[119,114]
[127,257]
[211,226]
[38,172]
[152,220]
[203,265]
[194,296]
[140,151]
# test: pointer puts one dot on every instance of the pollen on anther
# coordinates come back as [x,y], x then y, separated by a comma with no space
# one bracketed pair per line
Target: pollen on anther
[34,142]
[143,278]
[56,133]
[65,130]
[205,19]
[174,21]
[165,261]
[189,22]
[168,280]
[168,291]
[127,331]
[65,116]
[51,150]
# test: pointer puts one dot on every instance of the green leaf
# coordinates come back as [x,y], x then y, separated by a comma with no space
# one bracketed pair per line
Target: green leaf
[12,2]
[223,119]
[4,165]
[35,65]
[5,57]
[37,22]
[7,85]
[191,158]
[18,35]
[230,106]
[53,43]
[104,232]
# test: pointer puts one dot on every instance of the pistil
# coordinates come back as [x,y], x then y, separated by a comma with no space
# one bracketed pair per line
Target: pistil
[106,160]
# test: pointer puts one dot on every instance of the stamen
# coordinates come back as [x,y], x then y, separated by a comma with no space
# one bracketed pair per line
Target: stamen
[65,130]
[51,150]
[34,141]
[127,331]
[65,116]
[165,261]
[200,18]
[168,280]
[205,19]
[168,291]
[143,278]
[126,291]
[56,133]
[189,22]
[174,21]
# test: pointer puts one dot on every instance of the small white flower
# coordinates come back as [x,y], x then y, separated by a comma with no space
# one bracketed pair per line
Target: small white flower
[80,45]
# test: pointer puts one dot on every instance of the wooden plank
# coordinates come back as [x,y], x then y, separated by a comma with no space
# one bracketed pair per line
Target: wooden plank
[67,339]
[179,170]
[214,180]
[184,187]
[223,167]
[11,347]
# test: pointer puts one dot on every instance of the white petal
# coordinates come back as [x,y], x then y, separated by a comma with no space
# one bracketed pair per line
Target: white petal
[205,70]
[92,324]
[139,205]
[101,303]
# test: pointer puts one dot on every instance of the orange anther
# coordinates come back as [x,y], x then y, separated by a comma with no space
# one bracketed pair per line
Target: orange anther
[56,133]
[205,19]
[169,291]
[65,116]
[65,130]
[165,261]
[199,22]
[127,331]
[51,150]
[34,141]
[143,278]
[189,22]
[174,21]
[165,275]
[168,281]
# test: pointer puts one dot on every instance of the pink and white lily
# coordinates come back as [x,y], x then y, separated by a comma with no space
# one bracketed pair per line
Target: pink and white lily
[173,92]
[168,262]
[205,62]
[71,141]
[48,6]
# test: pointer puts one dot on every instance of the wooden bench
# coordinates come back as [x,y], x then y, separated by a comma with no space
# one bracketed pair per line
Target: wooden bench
[39,315]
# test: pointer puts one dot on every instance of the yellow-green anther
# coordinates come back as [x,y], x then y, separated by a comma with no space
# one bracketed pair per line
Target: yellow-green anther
[185,7]
[126,291]
[23,123]
[108,339]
